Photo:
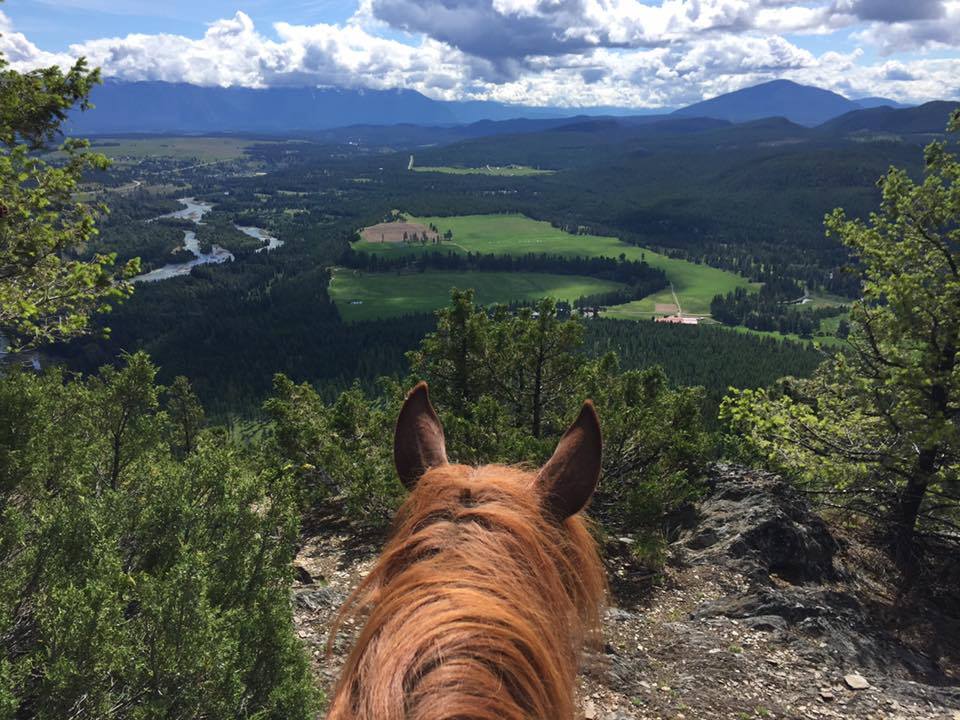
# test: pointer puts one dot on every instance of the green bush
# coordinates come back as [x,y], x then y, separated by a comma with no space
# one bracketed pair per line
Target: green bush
[343,450]
[876,427]
[139,579]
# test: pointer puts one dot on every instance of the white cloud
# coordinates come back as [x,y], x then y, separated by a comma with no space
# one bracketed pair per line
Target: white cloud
[941,31]
[23,54]
[540,52]
[233,52]
[519,28]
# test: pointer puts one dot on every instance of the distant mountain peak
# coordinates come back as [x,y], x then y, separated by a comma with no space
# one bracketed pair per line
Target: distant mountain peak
[801,104]
[872,102]
[779,82]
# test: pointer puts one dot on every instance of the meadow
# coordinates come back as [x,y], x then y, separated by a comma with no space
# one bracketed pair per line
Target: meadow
[202,149]
[695,285]
[383,295]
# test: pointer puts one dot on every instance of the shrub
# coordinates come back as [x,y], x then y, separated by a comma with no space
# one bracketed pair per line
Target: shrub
[139,579]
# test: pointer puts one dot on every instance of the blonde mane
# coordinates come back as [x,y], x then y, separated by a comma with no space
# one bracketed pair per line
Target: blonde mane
[477,608]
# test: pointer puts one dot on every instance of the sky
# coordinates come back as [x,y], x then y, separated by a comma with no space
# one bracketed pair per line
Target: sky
[567,53]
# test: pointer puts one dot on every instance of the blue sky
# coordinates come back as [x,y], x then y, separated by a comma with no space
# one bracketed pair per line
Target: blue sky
[630,53]
[55,24]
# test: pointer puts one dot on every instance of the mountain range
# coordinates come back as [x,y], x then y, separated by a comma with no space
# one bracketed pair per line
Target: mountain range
[161,107]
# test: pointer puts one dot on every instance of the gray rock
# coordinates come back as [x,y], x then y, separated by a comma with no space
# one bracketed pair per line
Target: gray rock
[760,525]
[703,540]
[323,597]
[589,710]
[756,524]
[616,614]
[766,623]
[855,681]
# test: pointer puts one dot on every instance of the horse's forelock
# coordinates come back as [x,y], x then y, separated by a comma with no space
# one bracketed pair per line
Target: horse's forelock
[477,607]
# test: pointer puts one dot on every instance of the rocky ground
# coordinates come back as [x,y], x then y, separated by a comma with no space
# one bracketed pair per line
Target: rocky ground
[763,611]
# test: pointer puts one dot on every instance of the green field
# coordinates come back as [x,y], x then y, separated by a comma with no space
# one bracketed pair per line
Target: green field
[495,171]
[389,294]
[823,299]
[202,149]
[695,285]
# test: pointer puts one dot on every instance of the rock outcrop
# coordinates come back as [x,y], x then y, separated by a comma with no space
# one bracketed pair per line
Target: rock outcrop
[761,526]
[758,525]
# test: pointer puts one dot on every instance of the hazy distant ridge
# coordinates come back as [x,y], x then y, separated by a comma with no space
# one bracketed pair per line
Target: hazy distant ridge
[160,107]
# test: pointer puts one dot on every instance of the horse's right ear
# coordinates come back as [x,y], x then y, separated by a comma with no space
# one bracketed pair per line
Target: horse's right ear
[418,443]
[571,474]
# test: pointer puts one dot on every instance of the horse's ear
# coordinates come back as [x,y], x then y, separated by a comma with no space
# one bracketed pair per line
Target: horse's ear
[571,474]
[418,443]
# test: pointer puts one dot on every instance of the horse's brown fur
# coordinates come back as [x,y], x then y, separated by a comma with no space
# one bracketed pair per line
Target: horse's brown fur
[477,608]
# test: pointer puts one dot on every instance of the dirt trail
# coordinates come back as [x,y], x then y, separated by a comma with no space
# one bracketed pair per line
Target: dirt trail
[676,300]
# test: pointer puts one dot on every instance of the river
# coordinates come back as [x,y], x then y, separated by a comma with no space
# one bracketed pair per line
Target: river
[261,235]
[194,210]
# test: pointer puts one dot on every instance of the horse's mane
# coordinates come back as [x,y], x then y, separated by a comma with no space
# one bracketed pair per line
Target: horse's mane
[477,608]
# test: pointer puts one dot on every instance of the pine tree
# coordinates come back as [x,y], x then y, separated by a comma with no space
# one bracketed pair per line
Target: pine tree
[46,293]
[879,425]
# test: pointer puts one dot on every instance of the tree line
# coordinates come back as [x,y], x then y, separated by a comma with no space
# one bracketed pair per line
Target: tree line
[773,309]
[641,277]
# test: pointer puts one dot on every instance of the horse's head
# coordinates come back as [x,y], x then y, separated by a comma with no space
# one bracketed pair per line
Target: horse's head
[480,602]
[561,488]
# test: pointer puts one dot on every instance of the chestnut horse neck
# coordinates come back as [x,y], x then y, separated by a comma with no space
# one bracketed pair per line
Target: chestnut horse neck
[477,609]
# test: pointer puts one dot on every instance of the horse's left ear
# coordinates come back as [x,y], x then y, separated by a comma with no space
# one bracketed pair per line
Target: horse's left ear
[571,474]
[418,443]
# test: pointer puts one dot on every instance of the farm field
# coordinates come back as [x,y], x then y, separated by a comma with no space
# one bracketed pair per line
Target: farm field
[823,299]
[389,294]
[396,232]
[494,171]
[695,285]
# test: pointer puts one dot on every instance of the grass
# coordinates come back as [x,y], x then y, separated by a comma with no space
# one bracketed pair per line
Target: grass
[202,149]
[505,171]
[831,325]
[695,285]
[390,295]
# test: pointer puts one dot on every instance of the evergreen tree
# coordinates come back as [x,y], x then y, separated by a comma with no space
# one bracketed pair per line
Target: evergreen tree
[879,423]
[140,577]
[506,385]
[186,415]
[46,292]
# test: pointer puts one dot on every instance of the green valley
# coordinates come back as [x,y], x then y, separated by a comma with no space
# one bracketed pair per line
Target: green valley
[369,296]
[695,284]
